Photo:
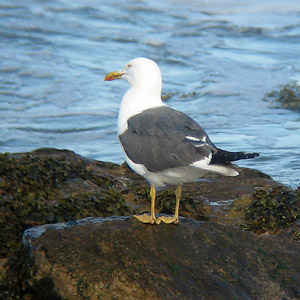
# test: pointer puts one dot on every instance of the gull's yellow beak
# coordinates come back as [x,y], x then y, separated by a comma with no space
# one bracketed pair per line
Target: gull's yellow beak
[113,75]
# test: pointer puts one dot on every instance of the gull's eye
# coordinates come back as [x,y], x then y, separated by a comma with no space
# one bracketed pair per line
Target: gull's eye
[128,66]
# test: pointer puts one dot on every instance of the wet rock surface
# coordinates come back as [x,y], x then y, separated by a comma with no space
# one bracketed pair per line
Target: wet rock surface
[120,258]
[50,186]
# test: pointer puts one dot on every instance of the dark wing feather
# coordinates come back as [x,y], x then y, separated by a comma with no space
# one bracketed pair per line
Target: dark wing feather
[157,139]
[223,156]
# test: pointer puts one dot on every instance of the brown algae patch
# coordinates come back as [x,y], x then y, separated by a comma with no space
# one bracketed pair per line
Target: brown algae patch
[271,210]
[288,96]
[39,189]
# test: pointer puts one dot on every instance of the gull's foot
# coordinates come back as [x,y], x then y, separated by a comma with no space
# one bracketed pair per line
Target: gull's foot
[147,219]
[169,220]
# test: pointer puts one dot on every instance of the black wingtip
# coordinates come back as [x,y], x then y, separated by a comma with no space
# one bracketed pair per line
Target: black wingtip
[222,156]
[251,155]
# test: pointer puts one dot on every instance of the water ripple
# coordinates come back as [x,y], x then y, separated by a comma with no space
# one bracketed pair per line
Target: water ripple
[218,60]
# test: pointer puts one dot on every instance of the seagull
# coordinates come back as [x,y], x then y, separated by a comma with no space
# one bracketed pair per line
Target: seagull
[164,145]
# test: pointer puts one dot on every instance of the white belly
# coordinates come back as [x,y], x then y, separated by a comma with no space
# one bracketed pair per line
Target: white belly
[172,176]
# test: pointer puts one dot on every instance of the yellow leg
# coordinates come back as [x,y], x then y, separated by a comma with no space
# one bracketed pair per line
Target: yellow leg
[153,197]
[178,198]
[145,218]
[174,219]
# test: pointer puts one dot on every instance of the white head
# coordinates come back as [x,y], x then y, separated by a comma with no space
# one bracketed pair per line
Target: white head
[142,74]
[145,81]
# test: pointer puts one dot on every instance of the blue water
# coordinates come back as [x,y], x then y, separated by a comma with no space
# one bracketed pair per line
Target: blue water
[218,59]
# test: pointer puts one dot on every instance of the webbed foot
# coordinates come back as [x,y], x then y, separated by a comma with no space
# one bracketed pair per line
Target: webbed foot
[148,219]
[169,220]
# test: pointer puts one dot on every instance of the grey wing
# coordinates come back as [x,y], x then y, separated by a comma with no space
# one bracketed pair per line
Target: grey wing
[163,138]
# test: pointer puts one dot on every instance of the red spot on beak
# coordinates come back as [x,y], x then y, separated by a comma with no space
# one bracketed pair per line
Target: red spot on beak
[113,76]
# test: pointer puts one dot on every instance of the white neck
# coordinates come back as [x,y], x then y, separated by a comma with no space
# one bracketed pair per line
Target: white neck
[134,102]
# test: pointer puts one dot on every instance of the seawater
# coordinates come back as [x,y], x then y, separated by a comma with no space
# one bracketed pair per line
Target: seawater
[218,59]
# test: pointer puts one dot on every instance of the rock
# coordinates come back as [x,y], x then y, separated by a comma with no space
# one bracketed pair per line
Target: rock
[120,258]
[271,210]
[288,96]
[60,187]
[52,186]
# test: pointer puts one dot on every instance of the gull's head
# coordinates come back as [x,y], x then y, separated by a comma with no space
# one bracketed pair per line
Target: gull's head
[140,73]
